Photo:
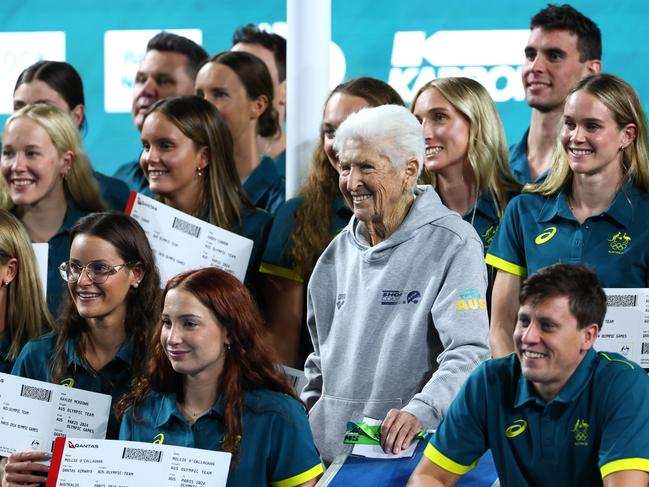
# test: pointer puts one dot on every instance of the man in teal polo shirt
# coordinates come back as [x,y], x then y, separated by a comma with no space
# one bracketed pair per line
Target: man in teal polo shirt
[264,186]
[556,412]
[564,46]
[537,231]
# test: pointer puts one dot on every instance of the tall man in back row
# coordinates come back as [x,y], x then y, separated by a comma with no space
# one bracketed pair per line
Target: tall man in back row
[556,412]
[564,47]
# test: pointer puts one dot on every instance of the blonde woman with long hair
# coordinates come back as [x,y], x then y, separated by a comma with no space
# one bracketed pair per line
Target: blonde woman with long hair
[23,312]
[466,151]
[50,182]
[592,208]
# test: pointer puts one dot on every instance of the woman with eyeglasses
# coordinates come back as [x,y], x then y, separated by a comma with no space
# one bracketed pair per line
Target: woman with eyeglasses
[100,342]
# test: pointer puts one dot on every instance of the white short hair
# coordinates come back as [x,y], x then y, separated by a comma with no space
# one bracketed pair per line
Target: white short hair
[391,130]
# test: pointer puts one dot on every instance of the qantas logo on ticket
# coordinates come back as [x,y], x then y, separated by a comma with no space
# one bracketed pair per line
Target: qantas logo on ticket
[80,445]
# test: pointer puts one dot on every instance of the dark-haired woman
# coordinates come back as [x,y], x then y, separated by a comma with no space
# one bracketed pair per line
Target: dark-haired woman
[211,384]
[188,159]
[239,85]
[100,342]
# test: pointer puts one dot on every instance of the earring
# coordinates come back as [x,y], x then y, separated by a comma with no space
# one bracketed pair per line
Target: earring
[199,171]
[135,285]
[228,347]
[5,284]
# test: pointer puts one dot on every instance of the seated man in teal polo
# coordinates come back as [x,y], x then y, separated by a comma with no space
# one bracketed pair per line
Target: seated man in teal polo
[556,412]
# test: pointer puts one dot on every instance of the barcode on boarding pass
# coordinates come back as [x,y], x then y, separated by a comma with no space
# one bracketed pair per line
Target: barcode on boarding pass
[621,300]
[186,227]
[38,393]
[645,348]
[142,455]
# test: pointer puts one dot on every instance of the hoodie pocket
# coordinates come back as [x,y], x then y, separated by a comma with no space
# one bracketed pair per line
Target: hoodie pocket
[329,415]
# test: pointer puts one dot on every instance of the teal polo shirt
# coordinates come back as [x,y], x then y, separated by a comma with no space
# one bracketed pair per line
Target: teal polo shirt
[277,259]
[598,424]
[276,446]
[484,219]
[265,187]
[255,225]
[280,164]
[113,191]
[133,176]
[5,344]
[519,164]
[537,231]
[59,251]
[114,379]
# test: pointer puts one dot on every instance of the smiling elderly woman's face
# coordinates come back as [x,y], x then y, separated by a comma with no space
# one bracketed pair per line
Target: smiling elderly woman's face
[372,188]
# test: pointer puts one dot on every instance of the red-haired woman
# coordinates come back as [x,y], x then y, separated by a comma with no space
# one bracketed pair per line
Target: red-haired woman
[212,384]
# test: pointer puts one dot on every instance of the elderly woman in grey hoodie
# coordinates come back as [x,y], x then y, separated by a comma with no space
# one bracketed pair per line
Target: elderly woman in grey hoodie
[396,303]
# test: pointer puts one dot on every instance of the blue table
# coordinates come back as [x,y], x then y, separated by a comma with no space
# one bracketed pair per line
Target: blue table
[370,472]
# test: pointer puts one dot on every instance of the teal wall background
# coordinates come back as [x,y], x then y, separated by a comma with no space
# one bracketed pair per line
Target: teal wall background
[363,29]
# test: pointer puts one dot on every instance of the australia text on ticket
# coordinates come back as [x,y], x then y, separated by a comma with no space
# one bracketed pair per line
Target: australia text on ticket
[79,462]
[33,413]
[182,242]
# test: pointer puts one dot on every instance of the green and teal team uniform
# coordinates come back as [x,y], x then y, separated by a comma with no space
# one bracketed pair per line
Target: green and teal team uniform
[519,164]
[265,187]
[484,218]
[277,260]
[276,447]
[598,424]
[537,231]
[280,164]
[114,379]
[255,225]
[58,251]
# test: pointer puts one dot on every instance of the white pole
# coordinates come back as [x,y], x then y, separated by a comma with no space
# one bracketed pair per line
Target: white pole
[309,36]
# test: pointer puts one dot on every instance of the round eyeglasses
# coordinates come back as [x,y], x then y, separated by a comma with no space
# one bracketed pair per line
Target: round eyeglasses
[97,272]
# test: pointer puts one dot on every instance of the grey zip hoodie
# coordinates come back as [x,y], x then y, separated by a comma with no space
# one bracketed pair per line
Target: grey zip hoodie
[397,325]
